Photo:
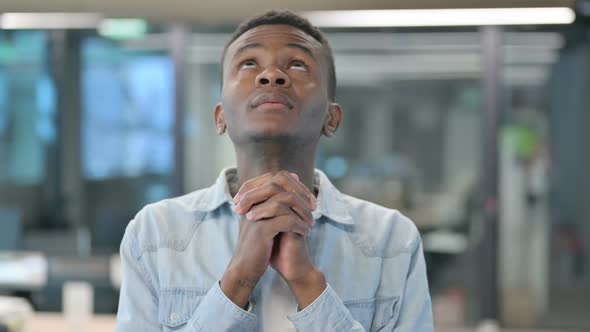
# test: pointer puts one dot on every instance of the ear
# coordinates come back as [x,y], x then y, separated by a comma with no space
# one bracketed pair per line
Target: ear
[333,119]
[219,119]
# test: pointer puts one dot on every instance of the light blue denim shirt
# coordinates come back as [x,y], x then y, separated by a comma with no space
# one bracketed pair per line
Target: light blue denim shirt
[175,251]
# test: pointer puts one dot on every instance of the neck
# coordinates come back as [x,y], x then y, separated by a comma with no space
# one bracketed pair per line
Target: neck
[273,155]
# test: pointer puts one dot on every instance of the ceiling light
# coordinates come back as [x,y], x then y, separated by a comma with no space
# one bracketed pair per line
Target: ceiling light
[49,21]
[441,17]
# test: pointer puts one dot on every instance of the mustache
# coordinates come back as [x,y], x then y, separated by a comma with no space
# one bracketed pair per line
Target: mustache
[271,97]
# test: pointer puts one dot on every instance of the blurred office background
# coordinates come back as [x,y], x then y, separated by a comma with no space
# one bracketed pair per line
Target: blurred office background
[480,133]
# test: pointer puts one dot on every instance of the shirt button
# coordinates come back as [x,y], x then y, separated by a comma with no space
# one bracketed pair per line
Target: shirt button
[174,317]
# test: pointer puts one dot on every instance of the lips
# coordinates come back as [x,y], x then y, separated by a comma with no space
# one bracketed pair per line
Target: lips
[271,98]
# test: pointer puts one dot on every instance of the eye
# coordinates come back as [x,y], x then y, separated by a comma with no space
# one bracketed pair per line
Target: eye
[248,64]
[298,65]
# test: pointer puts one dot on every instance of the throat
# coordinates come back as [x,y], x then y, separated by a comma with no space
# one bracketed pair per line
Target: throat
[271,156]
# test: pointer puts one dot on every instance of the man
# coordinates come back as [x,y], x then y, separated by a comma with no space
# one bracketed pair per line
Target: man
[273,245]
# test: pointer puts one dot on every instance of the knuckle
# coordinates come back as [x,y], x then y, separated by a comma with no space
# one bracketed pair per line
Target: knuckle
[276,207]
[245,200]
[293,219]
[247,183]
[283,196]
[255,210]
[276,187]
[281,176]
[294,196]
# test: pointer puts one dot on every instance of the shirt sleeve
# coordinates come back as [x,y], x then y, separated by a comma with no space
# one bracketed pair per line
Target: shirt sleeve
[138,301]
[416,307]
[326,313]
[218,313]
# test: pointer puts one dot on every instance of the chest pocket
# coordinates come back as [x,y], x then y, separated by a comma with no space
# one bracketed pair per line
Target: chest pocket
[177,305]
[374,314]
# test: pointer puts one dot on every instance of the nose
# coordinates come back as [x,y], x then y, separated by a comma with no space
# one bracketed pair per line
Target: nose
[272,76]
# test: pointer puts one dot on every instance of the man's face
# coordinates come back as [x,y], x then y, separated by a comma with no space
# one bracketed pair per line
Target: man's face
[275,85]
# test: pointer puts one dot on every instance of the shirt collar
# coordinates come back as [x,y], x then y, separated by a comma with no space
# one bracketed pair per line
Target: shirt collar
[329,200]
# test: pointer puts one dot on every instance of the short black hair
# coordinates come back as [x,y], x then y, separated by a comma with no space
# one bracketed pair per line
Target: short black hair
[287,17]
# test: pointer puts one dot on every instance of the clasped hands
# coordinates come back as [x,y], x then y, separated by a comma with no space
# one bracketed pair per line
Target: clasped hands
[276,219]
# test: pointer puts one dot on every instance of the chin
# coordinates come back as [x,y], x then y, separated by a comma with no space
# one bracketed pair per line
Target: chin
[270,138]
[267,127]
[269,134]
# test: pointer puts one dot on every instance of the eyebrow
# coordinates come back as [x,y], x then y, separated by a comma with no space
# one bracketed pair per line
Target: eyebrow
[246,47]
[302,48]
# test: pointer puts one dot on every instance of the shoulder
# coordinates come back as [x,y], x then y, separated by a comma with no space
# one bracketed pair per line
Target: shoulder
[381,231]
[168,223]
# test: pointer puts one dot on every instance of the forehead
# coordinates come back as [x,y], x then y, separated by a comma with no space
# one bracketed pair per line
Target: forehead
[277,34]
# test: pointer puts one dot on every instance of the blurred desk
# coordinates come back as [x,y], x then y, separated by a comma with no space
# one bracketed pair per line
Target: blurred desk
[56,322]
[23,270]
[115,273]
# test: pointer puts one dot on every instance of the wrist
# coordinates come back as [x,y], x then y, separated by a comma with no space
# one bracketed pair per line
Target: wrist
[237,286]
[308,288]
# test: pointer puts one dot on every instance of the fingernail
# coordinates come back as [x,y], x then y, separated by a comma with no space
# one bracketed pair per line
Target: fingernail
[250,215]
[295,175]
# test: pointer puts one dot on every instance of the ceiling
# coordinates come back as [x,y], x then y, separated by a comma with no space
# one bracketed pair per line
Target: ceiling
[229,12]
